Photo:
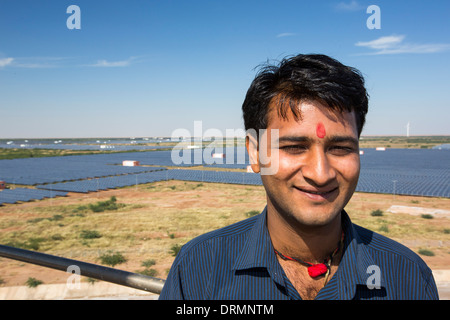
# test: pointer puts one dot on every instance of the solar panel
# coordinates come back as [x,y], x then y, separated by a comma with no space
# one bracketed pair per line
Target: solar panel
[25,195]
[422,172]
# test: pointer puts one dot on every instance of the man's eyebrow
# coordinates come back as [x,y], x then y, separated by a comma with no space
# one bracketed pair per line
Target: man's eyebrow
[343,139]
[331,139]
[294,139]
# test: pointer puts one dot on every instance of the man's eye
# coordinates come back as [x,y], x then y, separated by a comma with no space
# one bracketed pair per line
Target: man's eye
[293,149]
[341,150]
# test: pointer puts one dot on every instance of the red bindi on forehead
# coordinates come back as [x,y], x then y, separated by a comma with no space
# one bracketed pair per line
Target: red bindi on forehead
[320,130]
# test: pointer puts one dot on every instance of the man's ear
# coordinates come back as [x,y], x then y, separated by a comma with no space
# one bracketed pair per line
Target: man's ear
[251,143]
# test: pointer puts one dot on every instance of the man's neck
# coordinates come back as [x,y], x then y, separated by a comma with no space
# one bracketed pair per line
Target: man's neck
[308,243]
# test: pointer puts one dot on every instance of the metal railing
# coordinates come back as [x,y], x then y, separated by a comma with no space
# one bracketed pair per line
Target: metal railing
[121,277]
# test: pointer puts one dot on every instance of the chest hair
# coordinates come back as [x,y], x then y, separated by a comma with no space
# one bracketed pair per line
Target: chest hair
[307,287]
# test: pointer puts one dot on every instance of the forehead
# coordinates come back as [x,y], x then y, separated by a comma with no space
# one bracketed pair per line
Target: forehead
[313,116]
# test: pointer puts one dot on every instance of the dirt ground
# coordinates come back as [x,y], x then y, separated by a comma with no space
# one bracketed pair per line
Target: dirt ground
[14,273]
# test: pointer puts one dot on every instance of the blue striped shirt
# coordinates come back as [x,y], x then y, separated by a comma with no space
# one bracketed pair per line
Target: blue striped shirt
[238,263]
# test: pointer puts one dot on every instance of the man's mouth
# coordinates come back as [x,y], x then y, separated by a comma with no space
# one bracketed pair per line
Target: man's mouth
[317,194]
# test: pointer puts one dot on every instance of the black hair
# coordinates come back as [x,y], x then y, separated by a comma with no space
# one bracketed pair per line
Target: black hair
[301,78]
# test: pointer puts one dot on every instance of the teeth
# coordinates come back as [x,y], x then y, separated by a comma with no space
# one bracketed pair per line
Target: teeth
[315,192]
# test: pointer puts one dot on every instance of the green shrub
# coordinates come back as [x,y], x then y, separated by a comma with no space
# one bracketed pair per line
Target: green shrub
[175,249]
[426,252]
[427,216]
[252,213]
[149,272]
[33,243]
[376,213]
[80,209]
[148,263]
[57,237]
[112,258]
[35,220]
[30,244]
[33,282]
[56,217]
[171,235]
[90,234]
[101,206]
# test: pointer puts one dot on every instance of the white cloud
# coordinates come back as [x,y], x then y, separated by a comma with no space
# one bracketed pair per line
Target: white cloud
[105,63]
[55,62]
[350,6]
[33,62]
[286,34]
[35,65]
[394,45]
[5,62]
[382,43]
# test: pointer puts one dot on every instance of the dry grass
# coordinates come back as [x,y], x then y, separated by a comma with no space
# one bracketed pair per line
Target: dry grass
[156,217]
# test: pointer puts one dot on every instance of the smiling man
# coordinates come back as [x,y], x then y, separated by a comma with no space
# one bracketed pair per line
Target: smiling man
[308,113]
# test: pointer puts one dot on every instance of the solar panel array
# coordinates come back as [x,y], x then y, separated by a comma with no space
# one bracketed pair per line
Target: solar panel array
[113,182]
[419,172]
[216,176]
[422,172]
[32,171]
[25,194]
[392,183]
[79,147]
[98,184]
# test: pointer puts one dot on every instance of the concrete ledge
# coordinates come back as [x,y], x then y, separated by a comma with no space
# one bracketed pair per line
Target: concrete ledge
[442,278]
[98,290]
[109,291]
[416,211]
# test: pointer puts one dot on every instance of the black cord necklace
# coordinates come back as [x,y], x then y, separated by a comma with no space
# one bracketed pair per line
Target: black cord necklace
[316,269]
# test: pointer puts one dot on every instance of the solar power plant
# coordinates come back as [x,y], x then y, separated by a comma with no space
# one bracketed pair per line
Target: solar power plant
[25,195]
[85,186]
[442,146]
[113,182]
[421,172]
[235,158]
[32,171]
[78,147]
[216,176]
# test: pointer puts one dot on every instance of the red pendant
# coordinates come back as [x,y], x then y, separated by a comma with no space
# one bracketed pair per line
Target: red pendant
[317,270]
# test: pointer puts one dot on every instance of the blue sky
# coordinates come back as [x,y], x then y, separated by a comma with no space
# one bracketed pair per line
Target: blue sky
[147,68]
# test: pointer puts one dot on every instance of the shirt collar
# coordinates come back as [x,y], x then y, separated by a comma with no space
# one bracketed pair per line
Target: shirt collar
[258,251]
[357,262]
[354,268]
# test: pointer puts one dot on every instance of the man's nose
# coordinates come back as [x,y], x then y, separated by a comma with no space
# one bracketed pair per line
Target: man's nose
[317,168]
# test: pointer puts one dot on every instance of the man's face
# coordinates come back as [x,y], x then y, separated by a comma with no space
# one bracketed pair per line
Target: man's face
[318,164]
